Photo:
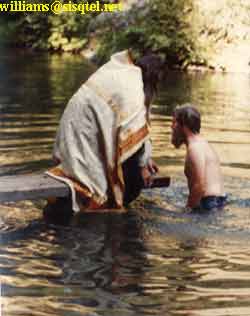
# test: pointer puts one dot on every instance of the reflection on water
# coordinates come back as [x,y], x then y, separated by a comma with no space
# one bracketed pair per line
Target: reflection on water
[155,259]
[33,92]
[131,264]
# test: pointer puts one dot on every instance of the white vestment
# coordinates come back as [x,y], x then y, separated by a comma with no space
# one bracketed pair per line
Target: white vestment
[103,124]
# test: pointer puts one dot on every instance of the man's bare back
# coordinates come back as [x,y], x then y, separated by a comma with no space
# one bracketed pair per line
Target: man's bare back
[202,169]
[202,165]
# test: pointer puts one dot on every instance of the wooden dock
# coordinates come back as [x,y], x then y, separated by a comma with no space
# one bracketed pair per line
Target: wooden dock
[41,186]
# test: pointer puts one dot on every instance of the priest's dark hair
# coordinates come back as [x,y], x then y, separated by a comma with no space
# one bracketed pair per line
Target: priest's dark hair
[151,66]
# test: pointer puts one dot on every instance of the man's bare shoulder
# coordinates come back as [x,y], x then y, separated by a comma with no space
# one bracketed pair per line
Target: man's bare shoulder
[196,149]
[201,150]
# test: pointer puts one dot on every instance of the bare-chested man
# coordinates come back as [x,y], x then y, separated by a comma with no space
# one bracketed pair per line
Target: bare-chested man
[202,165]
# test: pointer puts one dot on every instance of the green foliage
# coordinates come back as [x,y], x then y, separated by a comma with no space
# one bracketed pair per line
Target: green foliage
[68,32]
[46,31]
[160,26]
[32,30]
[182,31]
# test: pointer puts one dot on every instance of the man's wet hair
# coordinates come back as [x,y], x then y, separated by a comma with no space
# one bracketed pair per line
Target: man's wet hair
[187,115]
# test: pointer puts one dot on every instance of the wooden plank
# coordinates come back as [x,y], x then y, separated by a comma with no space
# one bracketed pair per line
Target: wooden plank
[30,187]
[40,186]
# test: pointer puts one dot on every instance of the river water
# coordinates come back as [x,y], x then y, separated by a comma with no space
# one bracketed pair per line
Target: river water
[155,259]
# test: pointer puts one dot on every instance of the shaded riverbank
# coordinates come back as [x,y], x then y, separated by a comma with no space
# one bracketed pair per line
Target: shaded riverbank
[196,33]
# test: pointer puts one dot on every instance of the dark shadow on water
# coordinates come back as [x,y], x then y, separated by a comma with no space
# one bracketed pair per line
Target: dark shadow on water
[237,165]
[227,142]
[168,160]
[29,125]
[10,234]
[23,135]
[31,143]
[59,213]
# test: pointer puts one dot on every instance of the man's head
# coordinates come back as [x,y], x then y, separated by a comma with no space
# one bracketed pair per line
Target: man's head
[186,119]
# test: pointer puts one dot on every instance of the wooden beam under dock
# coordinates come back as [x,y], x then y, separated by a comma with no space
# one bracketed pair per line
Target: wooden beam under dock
[42,186]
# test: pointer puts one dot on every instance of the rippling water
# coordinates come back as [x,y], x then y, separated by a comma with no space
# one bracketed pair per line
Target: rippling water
[155,259]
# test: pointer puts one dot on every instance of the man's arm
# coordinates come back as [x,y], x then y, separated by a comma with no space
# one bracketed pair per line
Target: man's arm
[196,176]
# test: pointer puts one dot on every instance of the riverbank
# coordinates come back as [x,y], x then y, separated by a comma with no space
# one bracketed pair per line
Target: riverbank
[189,34]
